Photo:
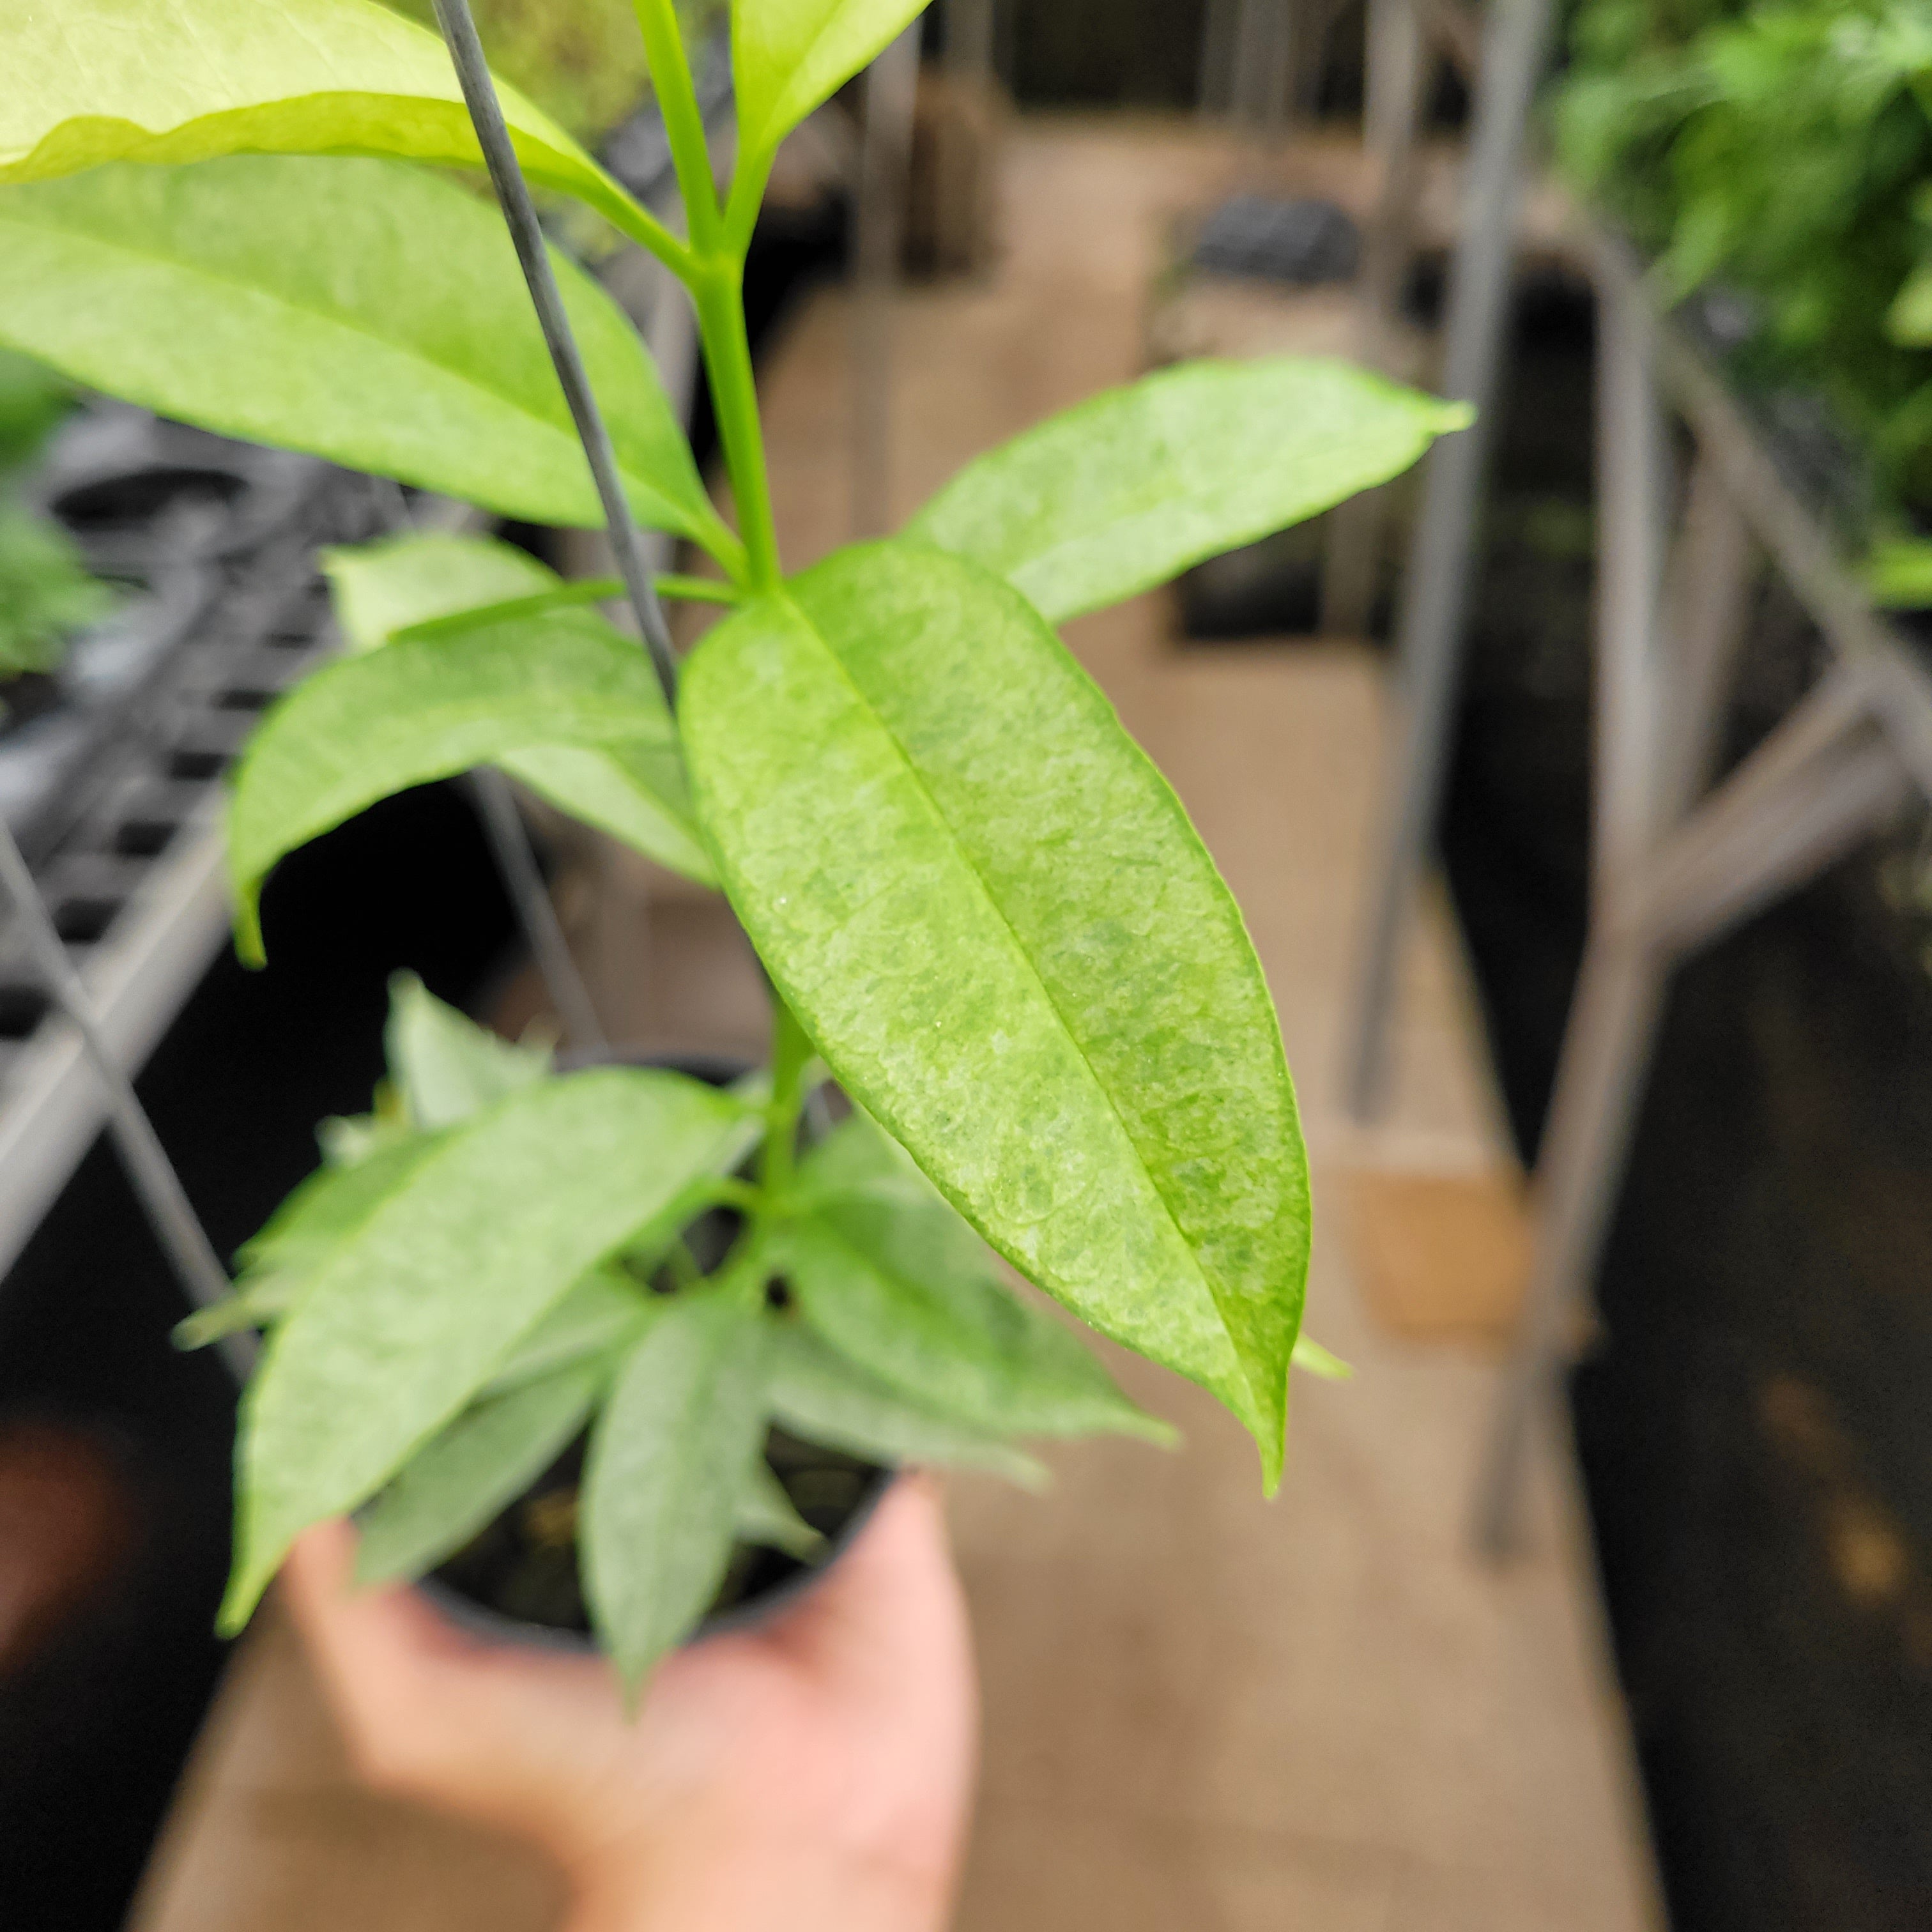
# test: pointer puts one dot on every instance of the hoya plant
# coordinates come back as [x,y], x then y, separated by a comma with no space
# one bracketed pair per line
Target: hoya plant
[989,928]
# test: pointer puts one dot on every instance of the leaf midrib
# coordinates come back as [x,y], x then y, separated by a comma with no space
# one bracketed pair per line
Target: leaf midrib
[1018,945]
[686,528]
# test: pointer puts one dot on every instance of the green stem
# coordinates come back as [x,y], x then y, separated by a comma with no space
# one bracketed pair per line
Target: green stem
[683,119]
[718,288]
[791,1054]
[714,271]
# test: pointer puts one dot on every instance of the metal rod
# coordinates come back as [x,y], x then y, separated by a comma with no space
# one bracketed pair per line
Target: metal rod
[513,195]
[1706,606]
[1515,36]
[510,839]
[1353,551]
[1606,1049]
[1632,494]
[170,1211]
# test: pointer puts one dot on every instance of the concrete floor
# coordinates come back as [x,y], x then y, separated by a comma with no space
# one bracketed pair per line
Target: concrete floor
[1202,1711]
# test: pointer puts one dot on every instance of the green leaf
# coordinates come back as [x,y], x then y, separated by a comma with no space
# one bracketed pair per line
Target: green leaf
[89,81]
[378,589]
[669,1462]
[361,311]
[426,1301]
[821,1397]
[1908,321]
[1312,1358]
[423,708]
[259,1304]
[1897,574]
[446,1066]
[905,1289]
[636,792]
[1126,490]
[603,1312]
[991,915]
[454,1485]
[765,1515]
[789,55]
[333,1202]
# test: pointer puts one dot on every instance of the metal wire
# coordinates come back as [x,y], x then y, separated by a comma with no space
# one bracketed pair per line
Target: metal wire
[513,195]
[510,840]
[176,1224]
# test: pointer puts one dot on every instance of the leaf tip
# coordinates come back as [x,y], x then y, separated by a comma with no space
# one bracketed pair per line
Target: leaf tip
[245,1585]
[1450,417]
[1312,1359]
[249,948]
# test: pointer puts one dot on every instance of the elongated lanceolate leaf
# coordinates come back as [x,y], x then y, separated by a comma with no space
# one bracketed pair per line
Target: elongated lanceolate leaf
[1128,489]
[669,1462]
[446,1066]
[423,708]
[452,1486]
[426,1301]
[89,81]
[991,915]
[601,1316]
[905,1289]
[362,311]
[821,1397]
[637,792]
[765,1515]
[280,1262]
[788,56]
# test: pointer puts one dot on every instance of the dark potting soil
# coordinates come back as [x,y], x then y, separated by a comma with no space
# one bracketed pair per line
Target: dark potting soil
[1752,1426]
[522,1566]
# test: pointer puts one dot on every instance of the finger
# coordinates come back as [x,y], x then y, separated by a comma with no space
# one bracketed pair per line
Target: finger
[514,1736]
[890,1608]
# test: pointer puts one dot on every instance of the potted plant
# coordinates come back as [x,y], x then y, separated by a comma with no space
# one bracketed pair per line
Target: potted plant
[983,913]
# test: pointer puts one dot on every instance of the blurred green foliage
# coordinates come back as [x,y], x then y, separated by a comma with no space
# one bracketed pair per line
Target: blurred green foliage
[582,61]
[45,589]
[1781,147]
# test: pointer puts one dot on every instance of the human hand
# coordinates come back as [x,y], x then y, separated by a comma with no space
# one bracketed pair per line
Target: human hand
[814,1773]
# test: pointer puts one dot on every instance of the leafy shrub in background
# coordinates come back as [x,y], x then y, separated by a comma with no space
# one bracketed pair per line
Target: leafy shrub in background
[45,589]
[982,912]
[1784,148]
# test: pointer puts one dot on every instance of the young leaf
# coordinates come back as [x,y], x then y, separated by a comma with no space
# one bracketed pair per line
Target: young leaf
[1126,490]
[905,1289]
[378,589]
[821,1397]
[670,1462]
[993,917]
[362,311]
[788,56]
[765,1515]
[1312,1359]
[452,1486]
[89,81]
[446,1066]
[603,1312]
[423,708]
[423,1302]
[637,793]
[258,1303]
[333,1202]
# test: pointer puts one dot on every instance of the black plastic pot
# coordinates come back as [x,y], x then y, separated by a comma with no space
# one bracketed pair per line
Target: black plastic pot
[517,1581]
